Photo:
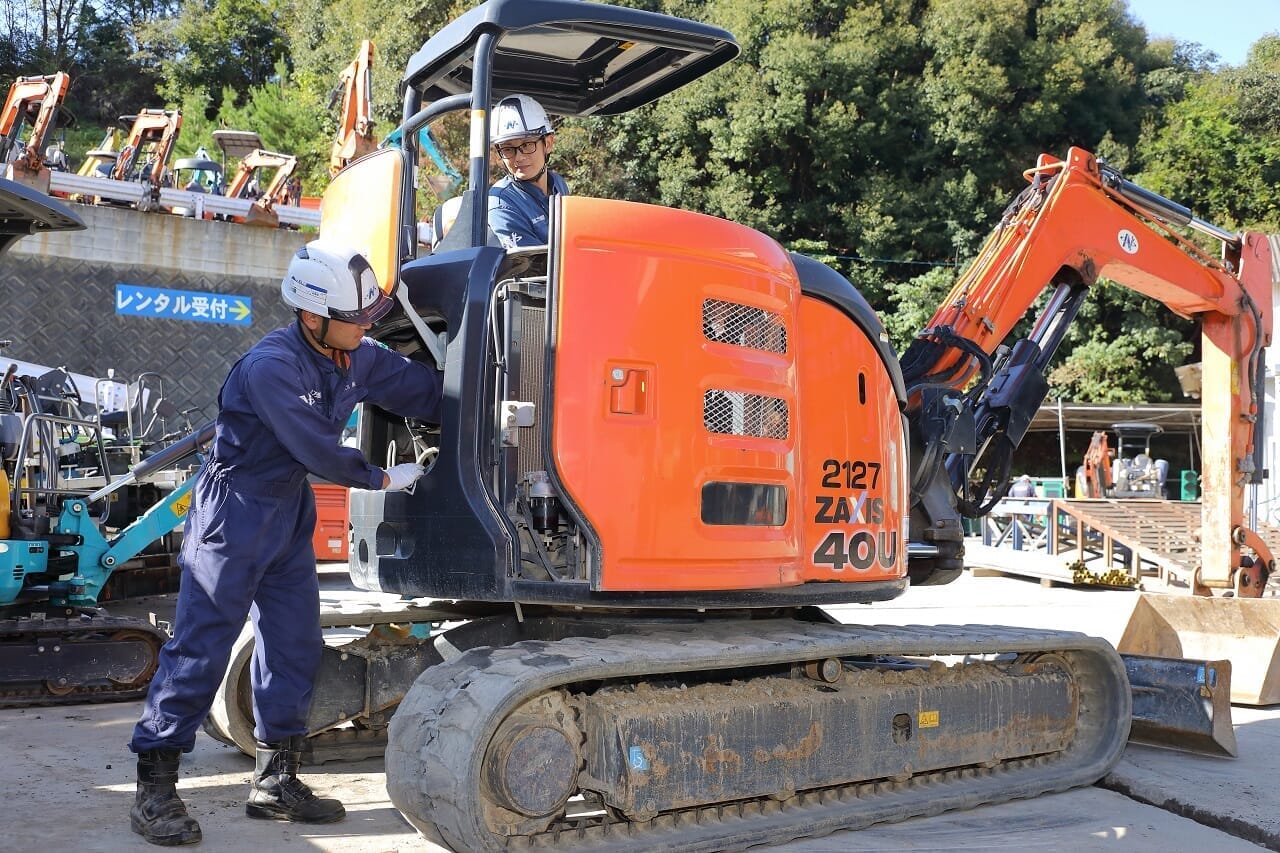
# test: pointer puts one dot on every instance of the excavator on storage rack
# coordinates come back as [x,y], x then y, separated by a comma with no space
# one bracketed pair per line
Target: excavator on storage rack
[79,506]
[144,156]
[279,190]
[667,443]
[35,103]
[354,137]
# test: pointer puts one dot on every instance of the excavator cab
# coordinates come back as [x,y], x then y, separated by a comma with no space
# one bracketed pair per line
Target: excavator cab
[200,175]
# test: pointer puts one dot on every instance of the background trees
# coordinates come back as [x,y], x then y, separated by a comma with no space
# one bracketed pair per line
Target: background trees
[882,136]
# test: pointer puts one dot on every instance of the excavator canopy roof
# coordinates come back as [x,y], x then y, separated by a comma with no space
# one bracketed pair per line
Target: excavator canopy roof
[575,58]
[25,211]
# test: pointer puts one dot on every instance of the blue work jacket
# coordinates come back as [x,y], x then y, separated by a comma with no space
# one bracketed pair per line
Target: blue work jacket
[518,210]
[283,406]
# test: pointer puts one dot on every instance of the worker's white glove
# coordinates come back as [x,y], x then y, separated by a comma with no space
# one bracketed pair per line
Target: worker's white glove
[404,475]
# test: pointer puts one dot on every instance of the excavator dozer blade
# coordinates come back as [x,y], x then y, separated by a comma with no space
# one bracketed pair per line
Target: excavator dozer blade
[1245,631]
[1181,704]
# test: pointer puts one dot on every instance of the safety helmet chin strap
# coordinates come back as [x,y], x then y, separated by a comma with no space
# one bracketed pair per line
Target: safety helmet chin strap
[339,356]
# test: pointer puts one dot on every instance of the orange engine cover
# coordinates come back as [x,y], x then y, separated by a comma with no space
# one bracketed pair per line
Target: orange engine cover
[717,429]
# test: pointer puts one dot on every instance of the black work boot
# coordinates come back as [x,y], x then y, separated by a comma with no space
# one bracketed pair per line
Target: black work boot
[277,792]
[158,814]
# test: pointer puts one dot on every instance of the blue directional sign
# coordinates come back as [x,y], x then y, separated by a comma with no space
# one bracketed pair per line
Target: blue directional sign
[134,300]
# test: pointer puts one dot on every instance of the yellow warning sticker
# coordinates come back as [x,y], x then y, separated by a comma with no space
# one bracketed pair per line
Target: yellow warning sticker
[181,505]
[928,719]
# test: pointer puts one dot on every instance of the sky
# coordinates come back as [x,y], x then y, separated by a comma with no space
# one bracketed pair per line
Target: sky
[1227,27]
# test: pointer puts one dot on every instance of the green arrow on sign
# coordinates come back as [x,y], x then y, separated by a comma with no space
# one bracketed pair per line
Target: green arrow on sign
[240,310]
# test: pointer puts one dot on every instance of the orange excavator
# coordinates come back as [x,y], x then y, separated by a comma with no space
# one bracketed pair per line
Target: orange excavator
[36,103]
[279,190]
[667,444]
[354,137]
[1093,480]
[144,156]
[1078,221]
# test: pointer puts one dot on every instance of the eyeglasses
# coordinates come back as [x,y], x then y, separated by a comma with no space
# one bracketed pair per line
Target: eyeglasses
[506,152]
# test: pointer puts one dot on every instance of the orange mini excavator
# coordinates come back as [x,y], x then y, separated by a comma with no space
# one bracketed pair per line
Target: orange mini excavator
[35,103]
[277,190]
[668,445]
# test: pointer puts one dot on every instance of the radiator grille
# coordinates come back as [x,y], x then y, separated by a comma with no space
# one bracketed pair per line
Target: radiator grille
[533,346]
[743,326]
[736,413]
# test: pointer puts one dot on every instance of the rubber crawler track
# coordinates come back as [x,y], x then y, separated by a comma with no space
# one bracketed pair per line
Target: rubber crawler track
[68,632]
[439,734]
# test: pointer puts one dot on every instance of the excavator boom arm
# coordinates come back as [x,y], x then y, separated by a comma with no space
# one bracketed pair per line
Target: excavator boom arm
[158,128]
[354,137]
[1079,221]
[284,164]
[24,94]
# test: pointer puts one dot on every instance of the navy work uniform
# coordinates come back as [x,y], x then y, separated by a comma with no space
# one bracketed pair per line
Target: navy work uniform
[518,210]
[247,541]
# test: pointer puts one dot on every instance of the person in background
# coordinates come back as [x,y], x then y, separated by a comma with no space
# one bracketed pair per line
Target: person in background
[246,548]
[1023,488]
[521,135]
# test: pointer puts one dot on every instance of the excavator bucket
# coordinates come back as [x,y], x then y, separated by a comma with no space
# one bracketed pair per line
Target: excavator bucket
[265,218]
[1245,631]
[1181,704]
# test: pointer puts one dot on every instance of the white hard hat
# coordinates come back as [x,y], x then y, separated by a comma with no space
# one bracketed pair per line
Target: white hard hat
[336,282]
[517,117]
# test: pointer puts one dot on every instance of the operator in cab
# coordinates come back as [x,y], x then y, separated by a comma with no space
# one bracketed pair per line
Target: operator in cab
[246,546]
[519,203]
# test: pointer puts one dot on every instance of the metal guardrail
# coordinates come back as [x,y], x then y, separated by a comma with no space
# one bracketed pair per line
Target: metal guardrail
[199,204]
[129,192]
[196,204]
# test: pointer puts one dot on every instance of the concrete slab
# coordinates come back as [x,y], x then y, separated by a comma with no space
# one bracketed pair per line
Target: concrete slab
[69,770]
[1238,795]
[1089,820]
[70,773]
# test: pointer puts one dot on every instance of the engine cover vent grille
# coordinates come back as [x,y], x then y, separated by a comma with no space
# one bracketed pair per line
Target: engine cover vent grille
[743,326]
[736,413]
